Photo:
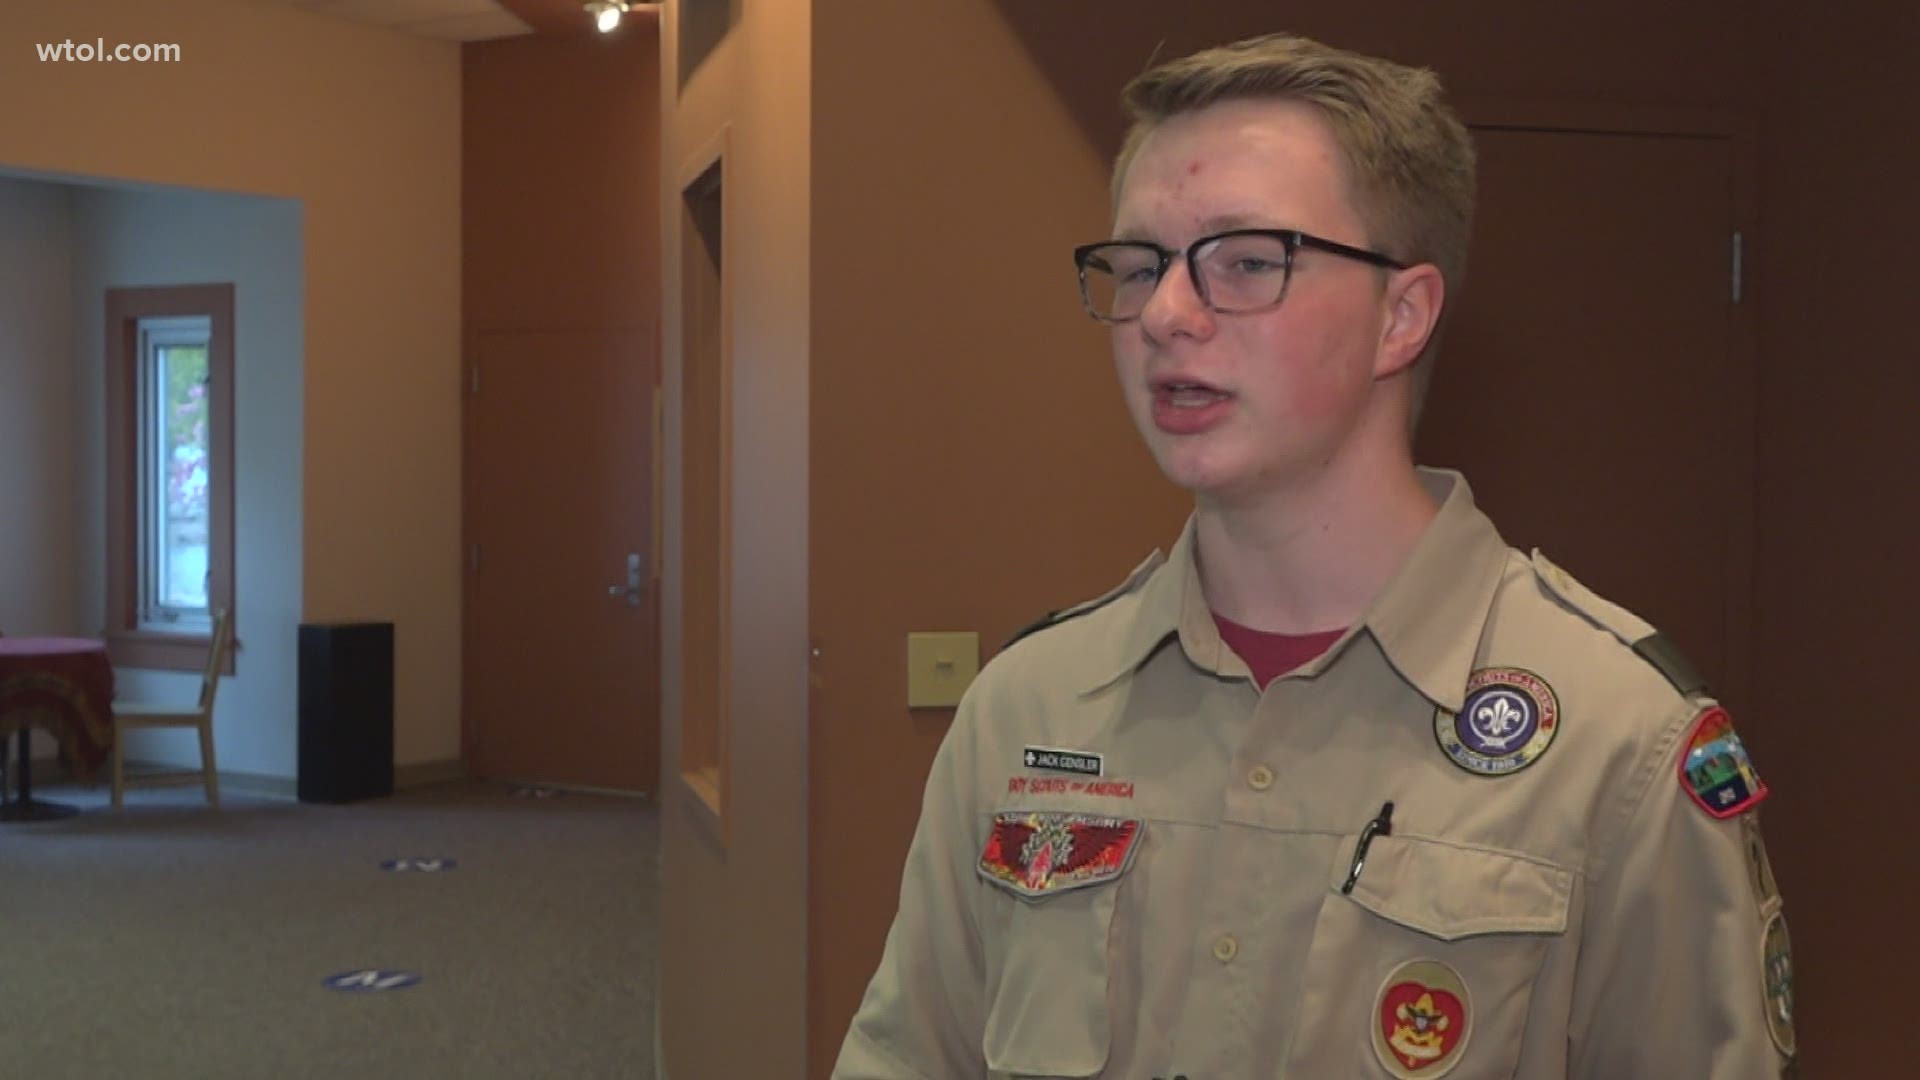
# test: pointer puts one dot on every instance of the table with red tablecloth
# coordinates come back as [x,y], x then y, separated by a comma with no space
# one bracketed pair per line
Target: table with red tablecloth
[64,686]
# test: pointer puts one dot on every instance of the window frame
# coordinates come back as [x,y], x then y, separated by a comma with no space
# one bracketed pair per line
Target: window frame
[130,643]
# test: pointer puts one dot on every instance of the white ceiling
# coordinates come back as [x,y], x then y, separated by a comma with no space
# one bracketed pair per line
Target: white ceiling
[448,20]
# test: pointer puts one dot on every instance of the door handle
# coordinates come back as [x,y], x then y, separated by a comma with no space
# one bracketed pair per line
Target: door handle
[633,588]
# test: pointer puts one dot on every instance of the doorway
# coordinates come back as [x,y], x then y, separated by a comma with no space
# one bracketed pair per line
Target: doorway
[1597,385]
[561,672]
[560,298]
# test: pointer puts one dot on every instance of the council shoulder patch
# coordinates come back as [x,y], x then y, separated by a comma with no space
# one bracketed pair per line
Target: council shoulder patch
[1422,1017]
[1038,853]
[1507,721]
[1714,769]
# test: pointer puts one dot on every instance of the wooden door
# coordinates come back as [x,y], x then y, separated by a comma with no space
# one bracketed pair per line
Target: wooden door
[561,669]
[1596,387]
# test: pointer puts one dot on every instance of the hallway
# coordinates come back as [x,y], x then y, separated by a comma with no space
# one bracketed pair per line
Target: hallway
[176,941]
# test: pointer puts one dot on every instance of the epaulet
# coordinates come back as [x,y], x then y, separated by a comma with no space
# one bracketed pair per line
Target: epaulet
[1055,618]
[1634,632]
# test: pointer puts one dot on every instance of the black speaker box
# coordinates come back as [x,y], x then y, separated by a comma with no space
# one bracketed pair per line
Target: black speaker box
[346,711]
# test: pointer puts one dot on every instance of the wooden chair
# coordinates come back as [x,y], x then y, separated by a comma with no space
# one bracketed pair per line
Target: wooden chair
[128,716]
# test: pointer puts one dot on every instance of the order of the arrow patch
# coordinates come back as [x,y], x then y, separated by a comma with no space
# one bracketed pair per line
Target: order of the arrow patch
[1054,759]
[1038,853]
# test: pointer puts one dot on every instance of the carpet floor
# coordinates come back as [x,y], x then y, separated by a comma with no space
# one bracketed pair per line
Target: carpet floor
[175,941]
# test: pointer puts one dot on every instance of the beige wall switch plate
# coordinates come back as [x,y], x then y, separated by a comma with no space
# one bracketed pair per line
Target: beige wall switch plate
[940,667]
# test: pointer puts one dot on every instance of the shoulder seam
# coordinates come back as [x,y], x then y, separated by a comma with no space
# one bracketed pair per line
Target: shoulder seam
[1055,618]
[1652,647]
[1659,650]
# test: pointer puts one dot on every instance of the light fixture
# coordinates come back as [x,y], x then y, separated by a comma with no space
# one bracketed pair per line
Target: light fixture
[606,13]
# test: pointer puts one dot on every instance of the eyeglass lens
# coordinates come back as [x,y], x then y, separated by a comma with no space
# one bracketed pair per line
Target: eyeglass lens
[1237,273]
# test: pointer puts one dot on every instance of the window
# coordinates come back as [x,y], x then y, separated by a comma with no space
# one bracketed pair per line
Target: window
[706,539]
[170,472]
[173,464]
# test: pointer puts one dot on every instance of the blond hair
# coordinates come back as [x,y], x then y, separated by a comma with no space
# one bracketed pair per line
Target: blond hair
[1409,159]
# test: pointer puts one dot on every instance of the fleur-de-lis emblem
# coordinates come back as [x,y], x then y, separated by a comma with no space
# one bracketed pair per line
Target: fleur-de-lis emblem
[1504,724]
[1498,722]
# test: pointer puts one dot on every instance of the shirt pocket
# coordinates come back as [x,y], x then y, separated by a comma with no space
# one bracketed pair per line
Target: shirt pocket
[1048,951]
[1427,922]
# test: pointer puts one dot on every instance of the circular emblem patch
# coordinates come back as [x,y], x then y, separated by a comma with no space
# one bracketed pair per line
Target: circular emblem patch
[1421,1020]
[1508,720]
[1776,954]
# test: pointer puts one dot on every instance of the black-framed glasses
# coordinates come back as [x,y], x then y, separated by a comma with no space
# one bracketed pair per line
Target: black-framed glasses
[1235,272]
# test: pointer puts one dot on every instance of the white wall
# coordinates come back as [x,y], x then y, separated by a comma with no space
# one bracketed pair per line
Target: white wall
[148,237]
[361,125]
[39,503]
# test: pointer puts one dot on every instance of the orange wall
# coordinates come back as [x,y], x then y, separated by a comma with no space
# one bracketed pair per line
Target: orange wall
[362,125]
[972,465]
[560,181]
[733,930]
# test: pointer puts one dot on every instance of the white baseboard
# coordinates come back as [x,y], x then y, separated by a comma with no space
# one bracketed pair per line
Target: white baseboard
[422,773]
[50,770]
[278,787]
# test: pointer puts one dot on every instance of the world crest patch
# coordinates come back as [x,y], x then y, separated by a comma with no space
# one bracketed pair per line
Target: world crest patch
[1509,718]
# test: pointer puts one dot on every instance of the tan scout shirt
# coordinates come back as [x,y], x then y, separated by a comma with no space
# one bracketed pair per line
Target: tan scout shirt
[1578,917]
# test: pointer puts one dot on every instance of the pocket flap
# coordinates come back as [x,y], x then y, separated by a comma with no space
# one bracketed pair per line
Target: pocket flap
[1448,891]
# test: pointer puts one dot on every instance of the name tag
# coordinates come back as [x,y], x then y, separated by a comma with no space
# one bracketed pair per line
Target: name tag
[1053,759]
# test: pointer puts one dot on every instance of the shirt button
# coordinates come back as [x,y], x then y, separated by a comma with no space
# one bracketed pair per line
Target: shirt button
[1226,949]
[1261,778]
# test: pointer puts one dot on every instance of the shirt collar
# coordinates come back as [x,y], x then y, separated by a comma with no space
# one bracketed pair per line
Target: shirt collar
[1427,620]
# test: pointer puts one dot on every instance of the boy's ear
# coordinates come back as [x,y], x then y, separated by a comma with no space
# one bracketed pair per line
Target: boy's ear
[1414,298]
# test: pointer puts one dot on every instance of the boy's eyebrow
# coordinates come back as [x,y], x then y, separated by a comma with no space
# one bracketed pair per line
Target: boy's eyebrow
[1133,234]
[1224,222]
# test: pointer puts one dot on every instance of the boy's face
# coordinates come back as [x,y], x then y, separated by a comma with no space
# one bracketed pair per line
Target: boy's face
[1284,387]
